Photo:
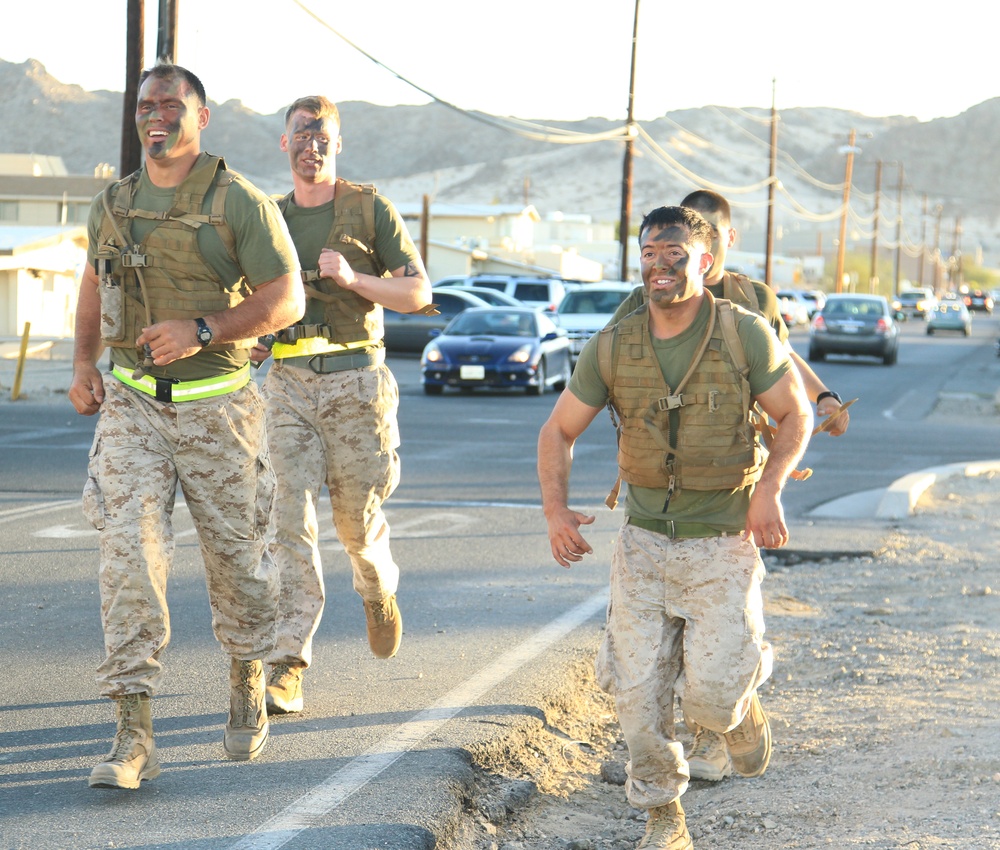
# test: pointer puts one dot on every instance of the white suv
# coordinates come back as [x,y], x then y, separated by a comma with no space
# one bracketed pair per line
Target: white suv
[540,293]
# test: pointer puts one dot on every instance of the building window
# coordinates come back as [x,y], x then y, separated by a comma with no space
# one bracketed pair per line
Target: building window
[8,210]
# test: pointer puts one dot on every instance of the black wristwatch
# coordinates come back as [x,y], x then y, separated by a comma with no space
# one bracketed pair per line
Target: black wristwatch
[204,332]
[820,397]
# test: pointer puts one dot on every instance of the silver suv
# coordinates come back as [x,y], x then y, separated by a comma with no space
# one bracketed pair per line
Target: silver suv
[537,292]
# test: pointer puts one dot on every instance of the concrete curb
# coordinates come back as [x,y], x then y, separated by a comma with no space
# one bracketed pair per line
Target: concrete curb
[903,494]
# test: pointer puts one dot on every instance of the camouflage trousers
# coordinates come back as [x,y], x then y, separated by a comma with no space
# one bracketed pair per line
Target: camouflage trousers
[337,429]
[685,618]
[216,450]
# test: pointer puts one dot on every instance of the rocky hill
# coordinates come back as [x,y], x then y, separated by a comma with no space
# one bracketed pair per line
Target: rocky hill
[410,151]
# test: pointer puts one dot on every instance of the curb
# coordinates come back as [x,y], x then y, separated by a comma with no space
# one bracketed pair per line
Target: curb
[902,495]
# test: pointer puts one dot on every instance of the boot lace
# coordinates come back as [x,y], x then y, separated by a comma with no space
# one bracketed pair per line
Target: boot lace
[705,745]
[245,712]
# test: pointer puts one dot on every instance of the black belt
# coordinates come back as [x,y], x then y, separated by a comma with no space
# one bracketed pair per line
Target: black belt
[339,361]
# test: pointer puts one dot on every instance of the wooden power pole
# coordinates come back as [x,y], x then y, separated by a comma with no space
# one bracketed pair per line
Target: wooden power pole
[626,216]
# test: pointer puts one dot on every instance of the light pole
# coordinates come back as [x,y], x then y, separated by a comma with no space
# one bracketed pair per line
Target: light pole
[850,150]
[626,216]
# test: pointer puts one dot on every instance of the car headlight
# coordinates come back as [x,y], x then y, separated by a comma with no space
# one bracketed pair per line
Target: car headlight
[432,354]
[522,355]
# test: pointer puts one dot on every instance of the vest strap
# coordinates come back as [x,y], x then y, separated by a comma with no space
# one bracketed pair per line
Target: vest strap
[172,390]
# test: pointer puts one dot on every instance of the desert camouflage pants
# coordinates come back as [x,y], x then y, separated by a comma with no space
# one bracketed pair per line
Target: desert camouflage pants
[685,618]
[340,430]
[216,450]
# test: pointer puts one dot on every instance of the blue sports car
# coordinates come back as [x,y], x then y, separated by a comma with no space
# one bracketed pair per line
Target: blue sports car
[497,347]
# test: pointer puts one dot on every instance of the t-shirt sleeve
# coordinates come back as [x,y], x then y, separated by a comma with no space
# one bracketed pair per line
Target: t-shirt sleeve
[767,357]
[770,310]
[393,242]
[586,382]
[263,245]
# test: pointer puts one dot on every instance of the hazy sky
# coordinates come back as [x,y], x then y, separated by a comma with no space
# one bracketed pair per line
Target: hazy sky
[542,58]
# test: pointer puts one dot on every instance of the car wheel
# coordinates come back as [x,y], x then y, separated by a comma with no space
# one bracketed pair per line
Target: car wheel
[930,332]
[433,389]
[889,358]
[966,331]
[540,374]
[815,355]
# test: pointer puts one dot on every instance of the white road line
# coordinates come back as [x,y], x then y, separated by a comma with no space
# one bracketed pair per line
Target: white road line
[31,510]
[308,809]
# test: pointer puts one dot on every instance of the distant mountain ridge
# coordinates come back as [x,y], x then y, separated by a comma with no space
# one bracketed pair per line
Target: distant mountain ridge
[410,151]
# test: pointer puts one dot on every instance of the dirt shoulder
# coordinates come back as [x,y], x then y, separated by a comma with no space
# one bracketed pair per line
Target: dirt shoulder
[885,708]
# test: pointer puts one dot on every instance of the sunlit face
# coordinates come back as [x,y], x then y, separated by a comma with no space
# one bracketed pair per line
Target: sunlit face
[723,238]
[169,118]
[312,145]
[671,266]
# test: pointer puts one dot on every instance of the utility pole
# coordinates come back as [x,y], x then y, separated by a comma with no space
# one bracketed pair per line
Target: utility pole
[899,230]
[923,243]
[131,150]
[956,253]
[626,216]
[425,227]
[769,251]
[842,244]
[166,33]
[873,275]
[937,250]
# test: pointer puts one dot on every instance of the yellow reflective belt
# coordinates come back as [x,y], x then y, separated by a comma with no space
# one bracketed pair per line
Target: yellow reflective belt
[189,390]
[315,345]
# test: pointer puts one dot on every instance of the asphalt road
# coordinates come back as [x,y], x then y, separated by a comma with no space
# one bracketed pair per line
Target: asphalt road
[380,758]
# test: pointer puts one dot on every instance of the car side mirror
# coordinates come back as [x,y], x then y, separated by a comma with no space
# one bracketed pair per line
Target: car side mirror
[434,332]
[550,335]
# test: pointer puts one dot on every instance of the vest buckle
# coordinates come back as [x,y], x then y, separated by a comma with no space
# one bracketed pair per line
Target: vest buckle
[670,402]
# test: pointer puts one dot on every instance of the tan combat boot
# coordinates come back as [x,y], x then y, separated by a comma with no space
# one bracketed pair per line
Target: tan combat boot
[385,626]
[284,689]
[133,753]
[247,727]
[666,829]
[749,743]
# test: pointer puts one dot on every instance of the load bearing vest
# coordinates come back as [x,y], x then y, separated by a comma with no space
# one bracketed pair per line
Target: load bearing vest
[166,276]
[713,444]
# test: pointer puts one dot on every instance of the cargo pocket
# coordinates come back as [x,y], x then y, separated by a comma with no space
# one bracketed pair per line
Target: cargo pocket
[265,495]
[93,498]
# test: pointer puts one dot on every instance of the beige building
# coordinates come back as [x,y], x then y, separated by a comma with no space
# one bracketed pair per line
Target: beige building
[43,242]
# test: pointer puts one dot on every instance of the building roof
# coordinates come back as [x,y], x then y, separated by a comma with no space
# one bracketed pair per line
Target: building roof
[21,187]
[17,238]
[446,210]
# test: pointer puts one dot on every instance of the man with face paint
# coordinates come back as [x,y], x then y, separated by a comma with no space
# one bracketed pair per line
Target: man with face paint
[331,399]
[685,616]
[708,758]
[188,264]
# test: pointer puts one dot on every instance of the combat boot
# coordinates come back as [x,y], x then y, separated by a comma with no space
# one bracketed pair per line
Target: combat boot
[385,626]
[133,753]
[666,829]
[749,743]
[284,689]
[247,727]
[709,757]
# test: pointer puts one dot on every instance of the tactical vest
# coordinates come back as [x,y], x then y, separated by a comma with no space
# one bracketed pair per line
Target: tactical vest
[739,289]
[166,276]
[349,317]
[715,446]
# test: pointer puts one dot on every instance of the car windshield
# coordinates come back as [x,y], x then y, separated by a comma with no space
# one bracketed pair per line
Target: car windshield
[493,323]
[592,302]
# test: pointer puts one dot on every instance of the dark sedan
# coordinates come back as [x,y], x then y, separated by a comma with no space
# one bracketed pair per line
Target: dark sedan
[855,324]
[497,348]
[410,332]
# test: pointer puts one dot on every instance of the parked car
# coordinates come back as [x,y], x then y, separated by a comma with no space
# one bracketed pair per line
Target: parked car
[586,310]
[949,316]
[915,302]
[493,297]
[497,347]
[857,325]
[410,332]
[978,300]
[815,299]
[541,293]
[793,306]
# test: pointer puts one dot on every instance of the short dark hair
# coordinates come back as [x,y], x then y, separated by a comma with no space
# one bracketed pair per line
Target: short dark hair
[706,201]
[165,71]
[316,104]
[700,231]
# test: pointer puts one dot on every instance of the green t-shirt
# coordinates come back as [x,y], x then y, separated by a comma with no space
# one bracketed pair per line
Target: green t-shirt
[767,304]
[724,510]
[310,229]
[263,247]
